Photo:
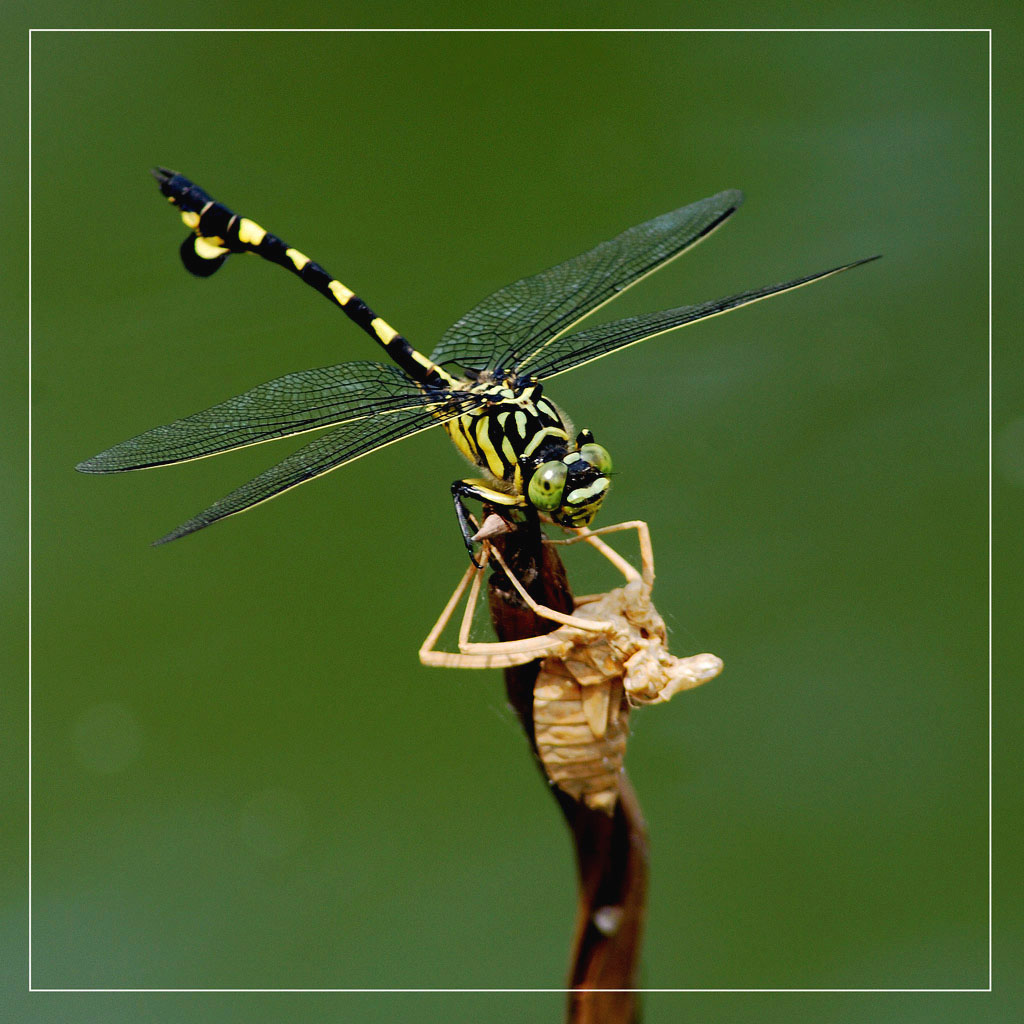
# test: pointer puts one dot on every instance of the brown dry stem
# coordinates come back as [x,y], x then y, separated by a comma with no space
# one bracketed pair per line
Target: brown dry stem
[611,850]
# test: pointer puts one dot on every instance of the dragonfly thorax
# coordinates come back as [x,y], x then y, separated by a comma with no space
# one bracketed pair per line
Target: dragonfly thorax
[511,424]
[523,441]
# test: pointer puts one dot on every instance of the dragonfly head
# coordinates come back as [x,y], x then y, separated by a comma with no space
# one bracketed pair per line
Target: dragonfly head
[571,489]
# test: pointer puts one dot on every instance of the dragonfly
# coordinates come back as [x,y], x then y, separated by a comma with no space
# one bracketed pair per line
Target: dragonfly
[484,382]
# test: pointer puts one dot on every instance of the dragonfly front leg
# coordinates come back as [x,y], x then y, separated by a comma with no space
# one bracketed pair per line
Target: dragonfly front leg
[479,490]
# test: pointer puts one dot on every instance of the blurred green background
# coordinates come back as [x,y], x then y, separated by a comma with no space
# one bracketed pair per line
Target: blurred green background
[242,776]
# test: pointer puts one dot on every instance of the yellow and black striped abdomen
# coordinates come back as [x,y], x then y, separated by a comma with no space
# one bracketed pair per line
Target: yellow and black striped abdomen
[511,424]
[217,232]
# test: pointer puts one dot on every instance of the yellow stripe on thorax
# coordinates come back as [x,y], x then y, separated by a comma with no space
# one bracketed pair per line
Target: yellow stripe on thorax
[457,431]
[540,435]
[491,458]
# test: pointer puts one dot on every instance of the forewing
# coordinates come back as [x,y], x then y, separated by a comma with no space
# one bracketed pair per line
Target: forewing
[329,451]
[293,404]
[572,350]
[509,328]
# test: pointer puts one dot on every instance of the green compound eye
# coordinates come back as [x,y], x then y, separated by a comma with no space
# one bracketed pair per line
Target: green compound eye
[546,486]
[597,456]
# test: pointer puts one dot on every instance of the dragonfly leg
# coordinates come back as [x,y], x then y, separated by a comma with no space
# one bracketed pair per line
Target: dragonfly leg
[646,551]
[479,491]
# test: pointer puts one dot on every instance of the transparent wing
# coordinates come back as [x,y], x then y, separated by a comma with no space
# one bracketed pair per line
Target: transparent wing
[293,404]
[580,347]
[517,322]
[329,451]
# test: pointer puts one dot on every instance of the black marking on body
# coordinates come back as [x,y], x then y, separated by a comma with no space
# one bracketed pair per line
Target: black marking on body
[512,417]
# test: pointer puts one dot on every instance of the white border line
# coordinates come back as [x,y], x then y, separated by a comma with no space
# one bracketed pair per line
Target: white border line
[30,510]
[526,31]
[525,991]
[539,990]
[990,949]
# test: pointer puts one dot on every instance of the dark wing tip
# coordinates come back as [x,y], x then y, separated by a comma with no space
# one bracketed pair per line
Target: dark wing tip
[726,203]
[162,174]
[848,266]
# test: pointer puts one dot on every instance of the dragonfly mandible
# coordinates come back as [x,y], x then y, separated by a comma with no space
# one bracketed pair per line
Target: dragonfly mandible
[483,383]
